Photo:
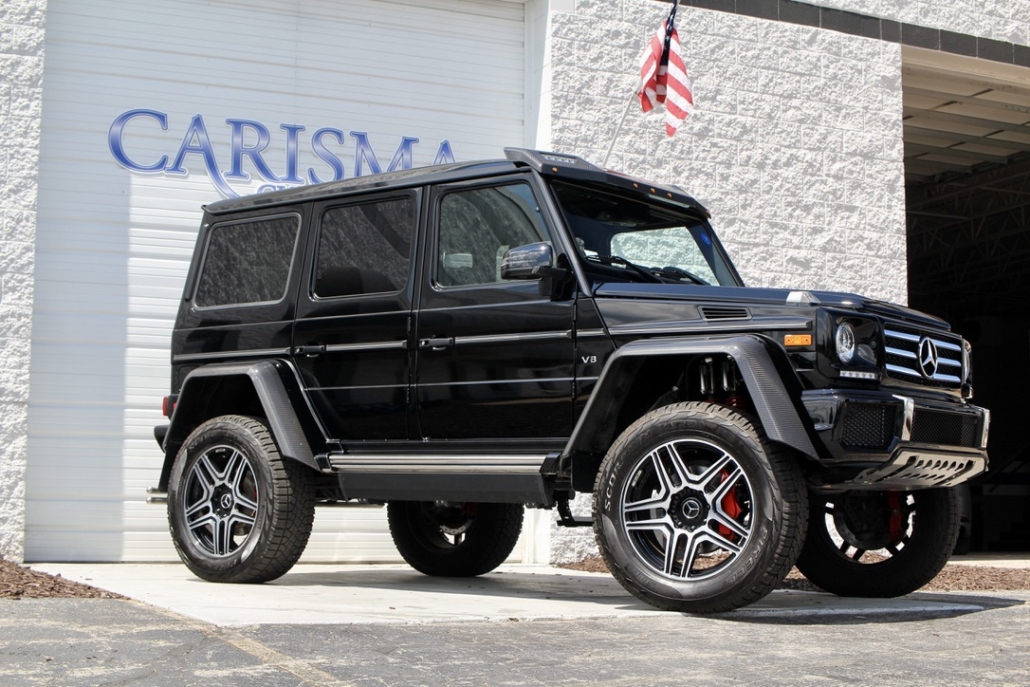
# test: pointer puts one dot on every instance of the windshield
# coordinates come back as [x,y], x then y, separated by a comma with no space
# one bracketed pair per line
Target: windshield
[622,238]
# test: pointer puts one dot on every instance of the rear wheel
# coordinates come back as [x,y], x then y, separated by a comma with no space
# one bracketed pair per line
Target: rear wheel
[696,511]
[879,543]
[238,511]
[454,539]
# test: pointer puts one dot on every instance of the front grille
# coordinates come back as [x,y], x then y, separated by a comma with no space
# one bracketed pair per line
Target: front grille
[868,425]
[945,428]
[909,356]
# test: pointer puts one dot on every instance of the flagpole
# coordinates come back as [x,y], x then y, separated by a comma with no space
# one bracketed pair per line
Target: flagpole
[640,85]
[618,129]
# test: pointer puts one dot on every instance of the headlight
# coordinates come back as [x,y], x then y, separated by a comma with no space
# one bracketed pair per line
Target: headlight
[845,342]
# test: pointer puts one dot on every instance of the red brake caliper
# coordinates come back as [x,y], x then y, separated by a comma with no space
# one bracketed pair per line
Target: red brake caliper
[731,507]
[896,521]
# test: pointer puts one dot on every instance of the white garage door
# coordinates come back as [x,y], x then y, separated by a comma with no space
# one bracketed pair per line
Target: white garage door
[149,111]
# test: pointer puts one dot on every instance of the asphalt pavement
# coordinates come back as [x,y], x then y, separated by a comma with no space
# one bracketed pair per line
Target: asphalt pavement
[521,625]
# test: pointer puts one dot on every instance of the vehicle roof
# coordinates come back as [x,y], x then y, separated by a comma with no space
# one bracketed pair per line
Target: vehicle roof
[557,165]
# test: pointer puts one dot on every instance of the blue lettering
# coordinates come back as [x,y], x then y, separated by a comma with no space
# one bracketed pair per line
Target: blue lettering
[402,158]
[292,134]
[114,140]
[325,155]
[443,154]
[203,148]
[239,150]
[363,153]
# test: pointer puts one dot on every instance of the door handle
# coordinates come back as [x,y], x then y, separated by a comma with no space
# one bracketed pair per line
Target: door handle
[310,350]
[437,343]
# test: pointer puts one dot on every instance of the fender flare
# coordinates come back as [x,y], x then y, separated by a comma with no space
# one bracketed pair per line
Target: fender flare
[767,382]
[265,377]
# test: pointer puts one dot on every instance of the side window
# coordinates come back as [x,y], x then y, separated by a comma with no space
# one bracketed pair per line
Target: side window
[478,225]
[247,263]
[365,248]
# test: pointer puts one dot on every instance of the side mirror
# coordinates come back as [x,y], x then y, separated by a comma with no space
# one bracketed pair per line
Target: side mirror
[532,261]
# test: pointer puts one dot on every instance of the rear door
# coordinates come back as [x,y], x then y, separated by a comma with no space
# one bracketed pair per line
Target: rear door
[352,336]
[494,357]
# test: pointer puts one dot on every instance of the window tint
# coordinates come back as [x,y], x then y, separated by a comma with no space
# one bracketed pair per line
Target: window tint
[365,248]
[477,226]
[247,262]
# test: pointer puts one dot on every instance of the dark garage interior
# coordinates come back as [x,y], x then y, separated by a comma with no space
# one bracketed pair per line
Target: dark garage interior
[967,169]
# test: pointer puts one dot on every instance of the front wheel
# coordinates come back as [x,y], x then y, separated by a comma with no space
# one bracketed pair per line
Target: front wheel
[454,539]
[238,511]
[696,511]
[879,544]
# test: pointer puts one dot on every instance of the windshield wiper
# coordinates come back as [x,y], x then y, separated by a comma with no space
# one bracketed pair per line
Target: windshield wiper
[619,260]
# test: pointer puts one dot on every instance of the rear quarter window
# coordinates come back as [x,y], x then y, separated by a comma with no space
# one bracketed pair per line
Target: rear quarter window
[248,262]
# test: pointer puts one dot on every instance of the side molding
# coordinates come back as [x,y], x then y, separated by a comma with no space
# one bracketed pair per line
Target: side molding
[777,411]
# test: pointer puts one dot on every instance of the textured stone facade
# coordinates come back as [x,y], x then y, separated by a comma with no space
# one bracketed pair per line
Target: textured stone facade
[21,88]
[795,146]
[1000,20]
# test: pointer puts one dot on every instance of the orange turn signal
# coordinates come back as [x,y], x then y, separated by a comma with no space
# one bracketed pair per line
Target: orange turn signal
[797,340]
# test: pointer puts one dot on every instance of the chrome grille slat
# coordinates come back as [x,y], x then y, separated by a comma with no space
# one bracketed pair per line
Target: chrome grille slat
[902,349]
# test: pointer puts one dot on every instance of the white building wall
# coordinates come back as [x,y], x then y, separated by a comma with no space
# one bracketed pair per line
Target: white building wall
[1000,20]
[795,146]
[21,81]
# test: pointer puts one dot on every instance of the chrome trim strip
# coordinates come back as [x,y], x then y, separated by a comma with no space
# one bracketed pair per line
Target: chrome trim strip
[463,464]
[584,333]
[759,323]
[913,373]
[371,346]
[499,381]
[909,417]
[946,344]
[900,352]
[509,338]
[263,352]
[914,338]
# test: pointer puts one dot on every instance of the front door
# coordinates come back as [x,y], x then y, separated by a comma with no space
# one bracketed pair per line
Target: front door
[494,357]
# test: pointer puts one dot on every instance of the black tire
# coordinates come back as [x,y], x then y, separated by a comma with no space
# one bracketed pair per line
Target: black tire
[710,528]
[879,544]
[238,511]
[454,539]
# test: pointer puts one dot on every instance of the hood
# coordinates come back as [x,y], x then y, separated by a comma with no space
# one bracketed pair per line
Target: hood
[741,295]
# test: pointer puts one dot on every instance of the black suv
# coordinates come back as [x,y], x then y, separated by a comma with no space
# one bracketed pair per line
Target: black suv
[461,341]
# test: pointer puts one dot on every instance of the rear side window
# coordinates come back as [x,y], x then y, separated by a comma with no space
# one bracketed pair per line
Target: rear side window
[365,248]
[247,263]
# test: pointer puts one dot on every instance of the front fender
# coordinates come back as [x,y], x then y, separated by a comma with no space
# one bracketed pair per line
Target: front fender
[773,387]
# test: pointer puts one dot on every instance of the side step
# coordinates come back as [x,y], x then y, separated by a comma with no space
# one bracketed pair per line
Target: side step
[483,478]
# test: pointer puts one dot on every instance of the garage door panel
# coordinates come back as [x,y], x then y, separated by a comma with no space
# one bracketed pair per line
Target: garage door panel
[114,244]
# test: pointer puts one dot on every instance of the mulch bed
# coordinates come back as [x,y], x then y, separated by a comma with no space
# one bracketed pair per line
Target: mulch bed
[18,582]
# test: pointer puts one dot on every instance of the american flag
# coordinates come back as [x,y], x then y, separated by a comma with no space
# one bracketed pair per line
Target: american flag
[663,76]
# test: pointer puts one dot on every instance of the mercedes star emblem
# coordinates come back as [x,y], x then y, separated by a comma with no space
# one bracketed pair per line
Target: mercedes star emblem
[927,357]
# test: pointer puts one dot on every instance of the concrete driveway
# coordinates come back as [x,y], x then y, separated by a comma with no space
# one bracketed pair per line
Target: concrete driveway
[522,625]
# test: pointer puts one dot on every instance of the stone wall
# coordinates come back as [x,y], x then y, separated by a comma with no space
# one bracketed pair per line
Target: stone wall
[1000,20]
[21,81]
[795,146]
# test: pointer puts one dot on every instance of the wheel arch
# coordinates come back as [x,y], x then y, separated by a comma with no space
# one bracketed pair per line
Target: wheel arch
[770,380]
[265,389]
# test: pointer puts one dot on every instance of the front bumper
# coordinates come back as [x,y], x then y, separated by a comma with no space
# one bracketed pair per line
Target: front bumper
[879,440]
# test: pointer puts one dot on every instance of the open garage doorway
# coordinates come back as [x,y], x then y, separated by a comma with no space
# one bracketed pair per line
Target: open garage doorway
[967,170]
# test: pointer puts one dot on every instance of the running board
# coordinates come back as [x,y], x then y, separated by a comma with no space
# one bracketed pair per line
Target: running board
[477,478]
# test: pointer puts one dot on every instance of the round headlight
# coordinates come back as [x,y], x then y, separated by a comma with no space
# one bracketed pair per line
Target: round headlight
[845,341]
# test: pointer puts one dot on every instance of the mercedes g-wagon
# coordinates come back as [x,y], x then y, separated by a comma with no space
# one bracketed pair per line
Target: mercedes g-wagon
[463,341]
